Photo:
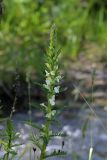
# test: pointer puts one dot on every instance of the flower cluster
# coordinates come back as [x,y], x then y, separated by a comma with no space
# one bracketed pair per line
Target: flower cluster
[52,71]
[50,85]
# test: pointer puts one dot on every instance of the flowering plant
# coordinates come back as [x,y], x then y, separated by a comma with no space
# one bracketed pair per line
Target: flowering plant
[52,87]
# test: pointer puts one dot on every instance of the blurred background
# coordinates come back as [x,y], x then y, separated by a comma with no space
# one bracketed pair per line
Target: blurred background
[24,39]
[82,35]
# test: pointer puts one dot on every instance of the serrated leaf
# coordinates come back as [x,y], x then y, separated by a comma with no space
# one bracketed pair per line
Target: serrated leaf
[38,84]
[48,66]
[2,142]
[13,152]
[58,134]
[54,121]
[57,53]
[34,125]
[35,141]
[56,153]
[15,145]
[63,89]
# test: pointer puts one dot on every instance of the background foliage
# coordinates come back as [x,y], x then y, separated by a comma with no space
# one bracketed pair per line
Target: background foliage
[24,30]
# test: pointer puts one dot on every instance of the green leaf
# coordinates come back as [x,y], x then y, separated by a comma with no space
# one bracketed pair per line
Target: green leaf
[15,145]
[84,128]
[36,141]
[2,142]
[56,153]
[34,125]
[59,134]
[13,152]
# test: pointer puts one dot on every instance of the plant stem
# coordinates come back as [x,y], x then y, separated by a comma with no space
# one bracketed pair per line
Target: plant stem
[9,146]
[43,151]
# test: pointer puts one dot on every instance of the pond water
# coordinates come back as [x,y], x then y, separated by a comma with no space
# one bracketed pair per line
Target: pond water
[72,122]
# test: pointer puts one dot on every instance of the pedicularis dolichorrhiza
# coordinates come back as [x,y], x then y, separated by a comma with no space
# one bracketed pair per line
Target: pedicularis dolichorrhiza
[52,87]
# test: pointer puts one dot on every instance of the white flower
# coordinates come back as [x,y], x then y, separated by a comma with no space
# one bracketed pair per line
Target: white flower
[52,73]
[51,114]
[56,89]
[17,134]
[48,82]
[47,74]
[42,104]
[52,100]
[46,86]
[56,67]
[58,78]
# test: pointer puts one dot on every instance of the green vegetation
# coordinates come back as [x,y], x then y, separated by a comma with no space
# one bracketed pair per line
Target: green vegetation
[25,26]
[7,140]
[24,33]
[52,88]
